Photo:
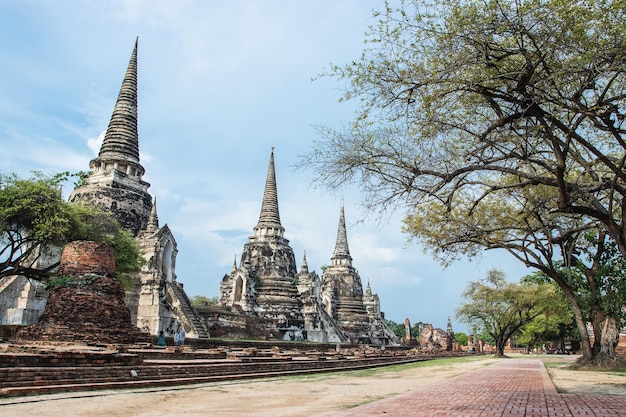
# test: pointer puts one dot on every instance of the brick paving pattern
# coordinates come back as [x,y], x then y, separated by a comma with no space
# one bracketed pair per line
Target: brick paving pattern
[511,387]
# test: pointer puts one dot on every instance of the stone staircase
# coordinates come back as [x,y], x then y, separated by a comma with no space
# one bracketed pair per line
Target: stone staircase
[129,371]
[200,329]
[329,324]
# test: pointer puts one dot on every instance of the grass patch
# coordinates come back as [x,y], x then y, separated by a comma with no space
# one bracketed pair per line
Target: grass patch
[619,368]
[406,366]
[391,368]
[365,400]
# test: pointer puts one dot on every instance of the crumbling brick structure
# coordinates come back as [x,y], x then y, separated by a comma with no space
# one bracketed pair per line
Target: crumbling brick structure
[89,306]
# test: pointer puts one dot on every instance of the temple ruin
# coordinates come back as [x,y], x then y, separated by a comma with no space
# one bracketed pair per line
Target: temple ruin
[264,296]
[88,306]
[115,184]
[299,305]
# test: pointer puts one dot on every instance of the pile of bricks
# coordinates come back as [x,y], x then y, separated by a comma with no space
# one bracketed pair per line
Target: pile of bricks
[90,308]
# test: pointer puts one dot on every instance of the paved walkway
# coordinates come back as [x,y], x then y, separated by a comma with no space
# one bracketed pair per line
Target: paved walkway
[512,387]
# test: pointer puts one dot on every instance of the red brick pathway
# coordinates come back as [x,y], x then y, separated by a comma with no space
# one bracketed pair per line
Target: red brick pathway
[510,387]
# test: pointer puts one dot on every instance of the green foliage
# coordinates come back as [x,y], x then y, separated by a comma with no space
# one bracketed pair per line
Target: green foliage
[396,328]
[34,207]
[81,177]
[416,329]
[605,269]
[502,308]
[494,124]
[487,338]
[461,338]
[552,327]
[202,301]
[57,282]
[92,223]
[33,214]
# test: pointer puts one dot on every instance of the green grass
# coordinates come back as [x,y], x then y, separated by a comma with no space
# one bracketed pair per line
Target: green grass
[358,373]
[421,364]
[551,363]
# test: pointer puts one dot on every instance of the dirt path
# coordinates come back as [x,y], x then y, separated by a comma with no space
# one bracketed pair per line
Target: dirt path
[315,395]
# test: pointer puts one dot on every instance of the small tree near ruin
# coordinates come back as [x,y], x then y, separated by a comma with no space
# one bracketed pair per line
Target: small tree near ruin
[502,308]
[34,216]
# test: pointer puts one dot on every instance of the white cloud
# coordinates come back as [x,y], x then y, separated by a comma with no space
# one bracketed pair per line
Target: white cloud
[95,143]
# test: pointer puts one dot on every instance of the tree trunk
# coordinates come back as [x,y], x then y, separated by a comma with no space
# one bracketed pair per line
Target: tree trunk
[581,322]
[500,342]
[609,337]
[585,342]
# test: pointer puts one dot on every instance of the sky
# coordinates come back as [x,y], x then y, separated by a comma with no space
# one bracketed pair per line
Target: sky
[220,84]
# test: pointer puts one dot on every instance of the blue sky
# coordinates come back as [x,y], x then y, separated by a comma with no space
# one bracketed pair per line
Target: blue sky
[220,84]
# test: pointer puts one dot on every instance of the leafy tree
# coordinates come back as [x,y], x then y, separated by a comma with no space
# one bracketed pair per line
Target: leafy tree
[32,214]
[502,308]
[487,338]
[593,279]
[604,289]
[201,301]
[461,338]
[543,329]
[396,328]
[34,217]
[495,124]
[416,329]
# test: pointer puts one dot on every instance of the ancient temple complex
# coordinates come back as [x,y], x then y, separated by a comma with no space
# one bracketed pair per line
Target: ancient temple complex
[115,184]
[115,176]
[300,305]
[264,296]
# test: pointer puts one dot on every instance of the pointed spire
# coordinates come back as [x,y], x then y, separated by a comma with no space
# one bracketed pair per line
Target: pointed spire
[449,329]
[368,290]
[341,255]
[121,141]
[269,220]
[234,264]
[304,268]
[153,220]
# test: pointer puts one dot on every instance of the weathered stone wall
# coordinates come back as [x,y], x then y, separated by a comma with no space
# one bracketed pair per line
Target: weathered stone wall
[21,300]
[433,338]
[235,324]
[130,206]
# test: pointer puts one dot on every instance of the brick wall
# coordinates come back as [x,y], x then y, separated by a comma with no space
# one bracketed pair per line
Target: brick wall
[82,257]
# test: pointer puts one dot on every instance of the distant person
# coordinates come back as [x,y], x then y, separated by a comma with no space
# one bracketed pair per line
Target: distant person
[161,341]
[181,336]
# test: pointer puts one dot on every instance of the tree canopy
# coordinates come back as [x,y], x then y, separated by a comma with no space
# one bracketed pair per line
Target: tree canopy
[502,308]
[465,100]
[592,278]
[34,217]
[494,124]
